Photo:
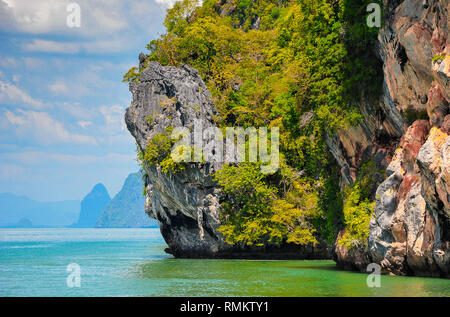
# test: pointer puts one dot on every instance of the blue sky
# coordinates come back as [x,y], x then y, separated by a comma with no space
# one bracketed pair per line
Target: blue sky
[61,97]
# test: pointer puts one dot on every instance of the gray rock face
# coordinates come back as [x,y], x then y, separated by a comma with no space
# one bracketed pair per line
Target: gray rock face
[186,203]
[412,36]
[410,225]
[409,230]
[434,164]
[356,258]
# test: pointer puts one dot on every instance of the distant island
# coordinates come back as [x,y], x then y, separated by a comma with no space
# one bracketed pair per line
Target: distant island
[126,209]
[96,210]
[92,206]
[14,208]
[24,223]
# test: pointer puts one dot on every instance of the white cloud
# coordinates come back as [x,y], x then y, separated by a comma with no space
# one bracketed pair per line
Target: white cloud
[70,48]
[167,3]
[170,3]
[35,158]
[52,47]
[42,128]
[106,14]
[59,88]
[106,25]
[34,63]
[77,111]
[13,95]
[99,47]
[12,118]
[114,117]
[32,16]
[50,16]
[84,124]
[30,63]
[9,3]
[8,62]
[11,171]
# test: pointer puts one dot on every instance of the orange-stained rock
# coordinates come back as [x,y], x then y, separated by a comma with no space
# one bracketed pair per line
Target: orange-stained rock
[437,106]
[411,143]
[410,227]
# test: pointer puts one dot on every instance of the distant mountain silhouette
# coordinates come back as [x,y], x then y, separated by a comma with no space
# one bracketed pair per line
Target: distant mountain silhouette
[24,223]
[126,210]
[92,206]
[53,214]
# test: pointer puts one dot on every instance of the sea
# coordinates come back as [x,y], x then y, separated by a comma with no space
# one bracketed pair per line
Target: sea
[132,262]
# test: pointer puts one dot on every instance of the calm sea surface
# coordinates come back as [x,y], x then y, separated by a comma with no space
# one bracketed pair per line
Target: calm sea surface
[132,262]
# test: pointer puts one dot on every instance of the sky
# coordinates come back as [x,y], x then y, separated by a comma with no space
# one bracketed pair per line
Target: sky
[61,97]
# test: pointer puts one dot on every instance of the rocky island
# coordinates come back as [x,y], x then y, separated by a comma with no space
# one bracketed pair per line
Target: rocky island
[187,204]
[365,184]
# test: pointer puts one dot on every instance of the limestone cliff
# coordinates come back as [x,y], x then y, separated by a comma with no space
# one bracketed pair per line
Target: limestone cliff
[186,204]
[405,133]
[410,227]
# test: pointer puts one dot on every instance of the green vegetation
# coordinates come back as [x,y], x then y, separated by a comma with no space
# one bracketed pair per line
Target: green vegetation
[157,149]
[159,152]
[437,58]
[257,212]
[150,120]
[359,206]
[131,75]
[168,165]
[357,214]
[412,115]
[275,63]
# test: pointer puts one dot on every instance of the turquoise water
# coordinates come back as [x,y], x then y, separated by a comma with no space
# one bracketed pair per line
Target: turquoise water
[132,262]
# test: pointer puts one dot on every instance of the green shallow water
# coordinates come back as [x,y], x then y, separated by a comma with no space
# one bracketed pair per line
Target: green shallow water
[131,262]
